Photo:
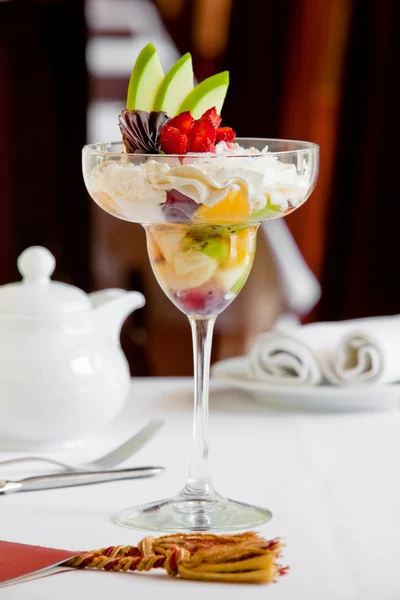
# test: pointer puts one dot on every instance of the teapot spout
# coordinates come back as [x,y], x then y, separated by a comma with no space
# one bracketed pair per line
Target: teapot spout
[111,308]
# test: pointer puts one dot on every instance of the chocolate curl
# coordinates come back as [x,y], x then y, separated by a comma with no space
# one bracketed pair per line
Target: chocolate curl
[242,558]
[140,130]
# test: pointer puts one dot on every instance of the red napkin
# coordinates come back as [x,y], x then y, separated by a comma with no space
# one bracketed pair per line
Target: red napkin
[17,560]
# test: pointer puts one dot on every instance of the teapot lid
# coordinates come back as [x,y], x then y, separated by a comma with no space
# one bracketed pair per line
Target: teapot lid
[37,294]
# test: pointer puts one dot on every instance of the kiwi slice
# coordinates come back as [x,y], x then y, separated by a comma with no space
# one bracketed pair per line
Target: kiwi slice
[216,247]
[270,210]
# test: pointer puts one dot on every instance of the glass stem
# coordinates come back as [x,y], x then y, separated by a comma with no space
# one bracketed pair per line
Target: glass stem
[199,482]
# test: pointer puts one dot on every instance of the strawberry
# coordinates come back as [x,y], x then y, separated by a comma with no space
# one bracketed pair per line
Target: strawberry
[212,115]
[206,146]
[172,140]
[202,136]
[225,134]
[184,122]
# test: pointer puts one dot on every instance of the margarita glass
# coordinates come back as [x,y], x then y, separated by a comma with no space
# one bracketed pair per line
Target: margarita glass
[201,213]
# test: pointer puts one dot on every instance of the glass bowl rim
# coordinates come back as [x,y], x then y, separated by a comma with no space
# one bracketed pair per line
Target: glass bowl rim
[92,150]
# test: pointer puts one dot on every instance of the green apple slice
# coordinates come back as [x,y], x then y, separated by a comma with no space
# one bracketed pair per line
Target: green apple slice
[175,86]
[228,278]
[145,80]
[210,92]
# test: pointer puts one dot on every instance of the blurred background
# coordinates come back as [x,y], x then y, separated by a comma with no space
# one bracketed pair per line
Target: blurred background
[320,70]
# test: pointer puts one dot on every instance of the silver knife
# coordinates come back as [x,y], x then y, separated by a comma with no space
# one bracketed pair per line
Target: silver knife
[59,480]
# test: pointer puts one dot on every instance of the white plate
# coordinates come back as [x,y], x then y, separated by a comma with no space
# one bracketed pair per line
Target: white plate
[233,373]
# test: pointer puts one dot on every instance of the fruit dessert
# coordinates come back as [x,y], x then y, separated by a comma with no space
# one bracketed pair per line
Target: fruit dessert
[180,164]
[201,269]
[199,193]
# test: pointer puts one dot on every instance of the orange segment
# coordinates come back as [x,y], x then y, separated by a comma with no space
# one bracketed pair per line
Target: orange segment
[234,208]
[240,249]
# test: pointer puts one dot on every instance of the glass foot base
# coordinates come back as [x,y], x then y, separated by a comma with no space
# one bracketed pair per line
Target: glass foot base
[194,513]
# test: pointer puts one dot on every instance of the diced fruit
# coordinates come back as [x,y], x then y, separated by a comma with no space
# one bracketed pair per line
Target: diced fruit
[145,80]
[154,251]
[189,242]
[217,248]
[169,242]
[190,261]
[228,278]
[210,92]
[212,115]
[214,246]
[235,289]
[202,137]
[206,146]
[178,207]
[203,300]
[175,86]
[184,122]
[239,284]
[225,134]
[187,271]
[241,250]
[234,208]
[268,212]
[173,141]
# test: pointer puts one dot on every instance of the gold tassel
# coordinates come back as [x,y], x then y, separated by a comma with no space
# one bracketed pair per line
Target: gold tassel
[242,558]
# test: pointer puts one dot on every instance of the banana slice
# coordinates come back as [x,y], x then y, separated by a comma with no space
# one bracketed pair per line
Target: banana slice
[189,270]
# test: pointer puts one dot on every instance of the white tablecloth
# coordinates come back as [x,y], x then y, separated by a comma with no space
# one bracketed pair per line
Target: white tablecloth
[332,482]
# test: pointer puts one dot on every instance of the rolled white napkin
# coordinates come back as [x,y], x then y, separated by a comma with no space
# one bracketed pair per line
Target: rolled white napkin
[360,351]
[282,359]
[369,353]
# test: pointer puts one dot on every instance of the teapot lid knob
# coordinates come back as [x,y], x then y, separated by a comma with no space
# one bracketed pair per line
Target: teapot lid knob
[36,264]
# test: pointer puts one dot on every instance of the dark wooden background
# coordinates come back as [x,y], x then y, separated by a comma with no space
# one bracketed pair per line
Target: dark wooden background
[325,71]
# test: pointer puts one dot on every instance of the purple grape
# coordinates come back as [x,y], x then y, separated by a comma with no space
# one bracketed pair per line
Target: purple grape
[178,207]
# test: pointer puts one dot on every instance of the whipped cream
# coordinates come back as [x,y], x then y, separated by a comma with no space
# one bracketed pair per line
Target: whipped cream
[138,191]
[129,194]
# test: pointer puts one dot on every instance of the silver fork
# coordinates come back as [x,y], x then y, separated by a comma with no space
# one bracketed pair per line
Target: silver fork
[106,462]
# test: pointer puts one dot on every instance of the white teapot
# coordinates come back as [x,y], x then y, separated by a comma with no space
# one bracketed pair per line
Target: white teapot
[62,370]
